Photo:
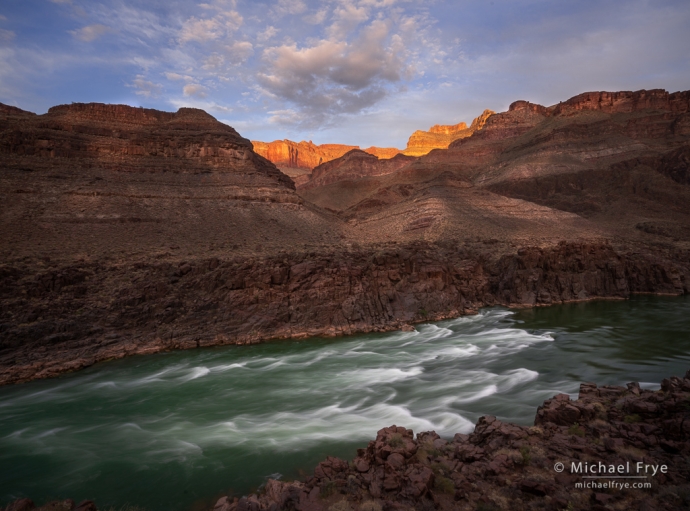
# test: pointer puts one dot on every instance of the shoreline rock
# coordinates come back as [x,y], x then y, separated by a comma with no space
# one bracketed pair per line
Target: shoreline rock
[198,303]
[555,464]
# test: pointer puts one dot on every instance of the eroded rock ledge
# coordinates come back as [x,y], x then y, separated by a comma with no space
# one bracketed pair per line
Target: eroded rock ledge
[509,467]
[63,318]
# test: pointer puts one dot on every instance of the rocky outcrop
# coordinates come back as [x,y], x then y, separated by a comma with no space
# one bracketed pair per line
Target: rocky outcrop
[58,318]
[353,165]
[440,137]
[626,102]
[307,155]
[614,447]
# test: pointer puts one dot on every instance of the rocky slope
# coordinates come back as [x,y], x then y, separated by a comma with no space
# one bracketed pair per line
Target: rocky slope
[612,431]
[353,165]
[441,136]
[628,435]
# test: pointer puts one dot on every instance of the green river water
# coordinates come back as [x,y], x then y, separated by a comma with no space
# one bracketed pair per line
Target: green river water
[174,431]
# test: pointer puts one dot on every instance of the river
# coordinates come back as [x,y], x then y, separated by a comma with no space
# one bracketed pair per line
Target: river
[174,431]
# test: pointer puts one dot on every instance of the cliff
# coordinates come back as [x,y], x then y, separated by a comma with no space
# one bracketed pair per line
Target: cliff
[90,311]
[440,137]
[307,155]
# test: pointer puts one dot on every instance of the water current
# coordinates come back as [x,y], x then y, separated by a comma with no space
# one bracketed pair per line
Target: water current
[173,431]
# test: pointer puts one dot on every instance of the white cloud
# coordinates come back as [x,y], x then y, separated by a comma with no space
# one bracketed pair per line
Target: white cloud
[194,89]
[90,33]
[146,88]
[201,30]
[176,77]
[209,29]
[347,18]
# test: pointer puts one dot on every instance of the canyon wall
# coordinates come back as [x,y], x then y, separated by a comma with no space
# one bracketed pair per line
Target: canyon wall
[440,137]
[65,317]
[307,155]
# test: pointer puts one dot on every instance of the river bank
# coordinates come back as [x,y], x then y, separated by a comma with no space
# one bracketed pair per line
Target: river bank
[59,317]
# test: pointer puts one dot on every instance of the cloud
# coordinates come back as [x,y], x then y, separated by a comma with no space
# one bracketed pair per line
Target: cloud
[334,77]
[6,35]
[267,34]
[90,32]
[176,77]
[194,89]
[347,18]
[209,29]
[146,88]
[3,18]
[316,18]
[67,2]
[290,7]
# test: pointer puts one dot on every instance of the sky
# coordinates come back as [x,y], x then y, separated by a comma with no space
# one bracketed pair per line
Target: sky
[359,72]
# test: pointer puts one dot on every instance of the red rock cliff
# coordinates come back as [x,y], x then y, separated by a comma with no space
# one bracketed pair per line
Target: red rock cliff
[440,136]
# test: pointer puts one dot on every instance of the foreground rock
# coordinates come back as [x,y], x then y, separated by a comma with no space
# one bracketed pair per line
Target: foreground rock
[612,431]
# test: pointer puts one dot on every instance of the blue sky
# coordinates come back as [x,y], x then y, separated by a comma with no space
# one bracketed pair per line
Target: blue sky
[361,72]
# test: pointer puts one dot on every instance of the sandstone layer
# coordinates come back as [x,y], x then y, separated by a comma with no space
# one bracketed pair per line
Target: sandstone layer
[286,154]
[441,136]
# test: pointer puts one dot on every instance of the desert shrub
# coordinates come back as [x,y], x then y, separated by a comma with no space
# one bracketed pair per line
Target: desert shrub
[445,485]
[576,430]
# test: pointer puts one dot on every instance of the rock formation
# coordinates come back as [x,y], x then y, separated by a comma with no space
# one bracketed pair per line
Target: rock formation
[286,154]
[440,137]
[355,164]
[609,431]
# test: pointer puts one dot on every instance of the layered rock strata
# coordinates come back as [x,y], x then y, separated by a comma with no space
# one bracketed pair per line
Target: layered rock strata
[287,154]
[441,136]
